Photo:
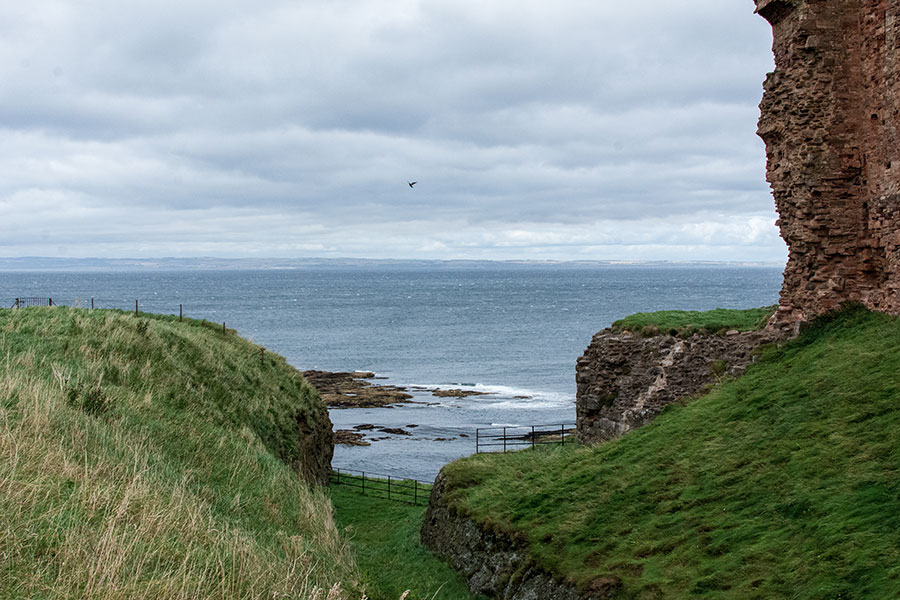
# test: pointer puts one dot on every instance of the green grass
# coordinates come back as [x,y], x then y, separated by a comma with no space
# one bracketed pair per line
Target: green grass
[147,458]
[687,322]
[784,483]
[384,535]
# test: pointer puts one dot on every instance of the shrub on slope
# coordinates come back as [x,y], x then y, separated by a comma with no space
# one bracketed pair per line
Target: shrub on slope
[146,458]
[784,483]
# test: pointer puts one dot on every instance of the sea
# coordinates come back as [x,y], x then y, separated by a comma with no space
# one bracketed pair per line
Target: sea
[513,332]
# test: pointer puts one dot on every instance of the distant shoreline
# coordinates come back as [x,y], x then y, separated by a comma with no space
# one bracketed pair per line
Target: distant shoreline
[36,263]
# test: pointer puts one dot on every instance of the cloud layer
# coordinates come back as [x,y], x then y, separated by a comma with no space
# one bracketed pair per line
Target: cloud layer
[570,130]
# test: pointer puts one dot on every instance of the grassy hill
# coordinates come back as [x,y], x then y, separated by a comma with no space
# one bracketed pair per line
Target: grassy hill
[784,483]
[141,457]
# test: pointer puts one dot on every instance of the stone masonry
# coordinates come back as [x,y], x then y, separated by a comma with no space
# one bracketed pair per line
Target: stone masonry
[830,118]
[625,379]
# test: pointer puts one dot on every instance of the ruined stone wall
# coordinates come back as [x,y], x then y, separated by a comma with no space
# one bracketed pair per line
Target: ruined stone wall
[830,118]
[625,380]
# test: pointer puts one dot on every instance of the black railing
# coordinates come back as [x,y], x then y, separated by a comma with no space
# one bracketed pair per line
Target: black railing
[400,489]
[505,439]
[32,301]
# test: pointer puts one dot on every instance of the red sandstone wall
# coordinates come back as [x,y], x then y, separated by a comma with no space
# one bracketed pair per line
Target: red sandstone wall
[830,117]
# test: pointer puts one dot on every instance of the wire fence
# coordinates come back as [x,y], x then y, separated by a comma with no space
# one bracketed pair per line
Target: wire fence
[26,302]
[32,301]
[506,439]
[389,487]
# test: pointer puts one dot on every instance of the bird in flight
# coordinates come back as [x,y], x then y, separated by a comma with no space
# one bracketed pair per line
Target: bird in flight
[412,183]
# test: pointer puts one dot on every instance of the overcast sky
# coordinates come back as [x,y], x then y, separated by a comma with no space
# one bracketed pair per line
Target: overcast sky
[570,130]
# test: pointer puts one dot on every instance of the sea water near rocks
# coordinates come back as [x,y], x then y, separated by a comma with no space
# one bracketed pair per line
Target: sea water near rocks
[512,331]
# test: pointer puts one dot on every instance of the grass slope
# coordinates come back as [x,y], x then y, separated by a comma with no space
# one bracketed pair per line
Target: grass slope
[781,484]
[687,322]
[385,538]
[147,458]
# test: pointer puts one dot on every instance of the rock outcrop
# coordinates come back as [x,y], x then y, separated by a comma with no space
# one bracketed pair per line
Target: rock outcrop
[352,390]
[830,118]
[316,445]
[493,563]
[624,380]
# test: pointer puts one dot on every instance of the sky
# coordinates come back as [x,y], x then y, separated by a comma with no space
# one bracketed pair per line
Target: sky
[570,130]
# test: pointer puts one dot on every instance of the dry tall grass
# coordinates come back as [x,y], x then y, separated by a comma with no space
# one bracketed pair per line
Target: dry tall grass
[97,506]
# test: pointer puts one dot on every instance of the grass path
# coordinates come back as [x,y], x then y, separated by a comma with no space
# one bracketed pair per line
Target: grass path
[384,536]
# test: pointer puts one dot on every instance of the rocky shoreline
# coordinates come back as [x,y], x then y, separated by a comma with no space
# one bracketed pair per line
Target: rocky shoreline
[354,389]
[357,437]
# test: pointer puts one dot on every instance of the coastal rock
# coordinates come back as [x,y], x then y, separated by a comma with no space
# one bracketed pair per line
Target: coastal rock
[624,380]
[351,390]
[394,430]
[348,437]
[493,563]
[830,118]
[316,445]
[456,393]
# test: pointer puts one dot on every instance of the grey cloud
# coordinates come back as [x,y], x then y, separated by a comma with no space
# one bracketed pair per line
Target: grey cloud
[512,114]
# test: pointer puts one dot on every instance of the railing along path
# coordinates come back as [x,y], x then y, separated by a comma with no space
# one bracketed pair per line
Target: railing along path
[379,485]
[505,439]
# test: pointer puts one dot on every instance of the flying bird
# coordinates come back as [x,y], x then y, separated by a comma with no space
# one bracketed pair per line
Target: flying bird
[412,183]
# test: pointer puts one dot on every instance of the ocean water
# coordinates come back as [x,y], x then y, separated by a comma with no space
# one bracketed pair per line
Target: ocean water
[514,332]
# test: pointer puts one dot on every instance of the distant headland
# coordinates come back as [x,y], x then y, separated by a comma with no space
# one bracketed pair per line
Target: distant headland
[42,263]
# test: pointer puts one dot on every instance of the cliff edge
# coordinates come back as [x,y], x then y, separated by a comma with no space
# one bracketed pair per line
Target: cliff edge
[631,371]
[625,379]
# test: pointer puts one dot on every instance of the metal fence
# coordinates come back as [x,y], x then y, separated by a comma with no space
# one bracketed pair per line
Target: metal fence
[505,439]
[32,301]
[378,485]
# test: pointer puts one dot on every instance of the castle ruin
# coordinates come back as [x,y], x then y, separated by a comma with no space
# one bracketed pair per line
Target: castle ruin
[829,118]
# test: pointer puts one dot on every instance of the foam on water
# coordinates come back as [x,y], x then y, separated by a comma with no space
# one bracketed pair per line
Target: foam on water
[502,396]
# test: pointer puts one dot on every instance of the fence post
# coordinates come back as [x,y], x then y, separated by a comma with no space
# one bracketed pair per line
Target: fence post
[223,326]
[389,487]
[477,435]
[136,308]
[262,357]
[17,303]
[415,491]
[504,440]
[532,437]
[180,313]
[92,303]
[562,434]
[338,477]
